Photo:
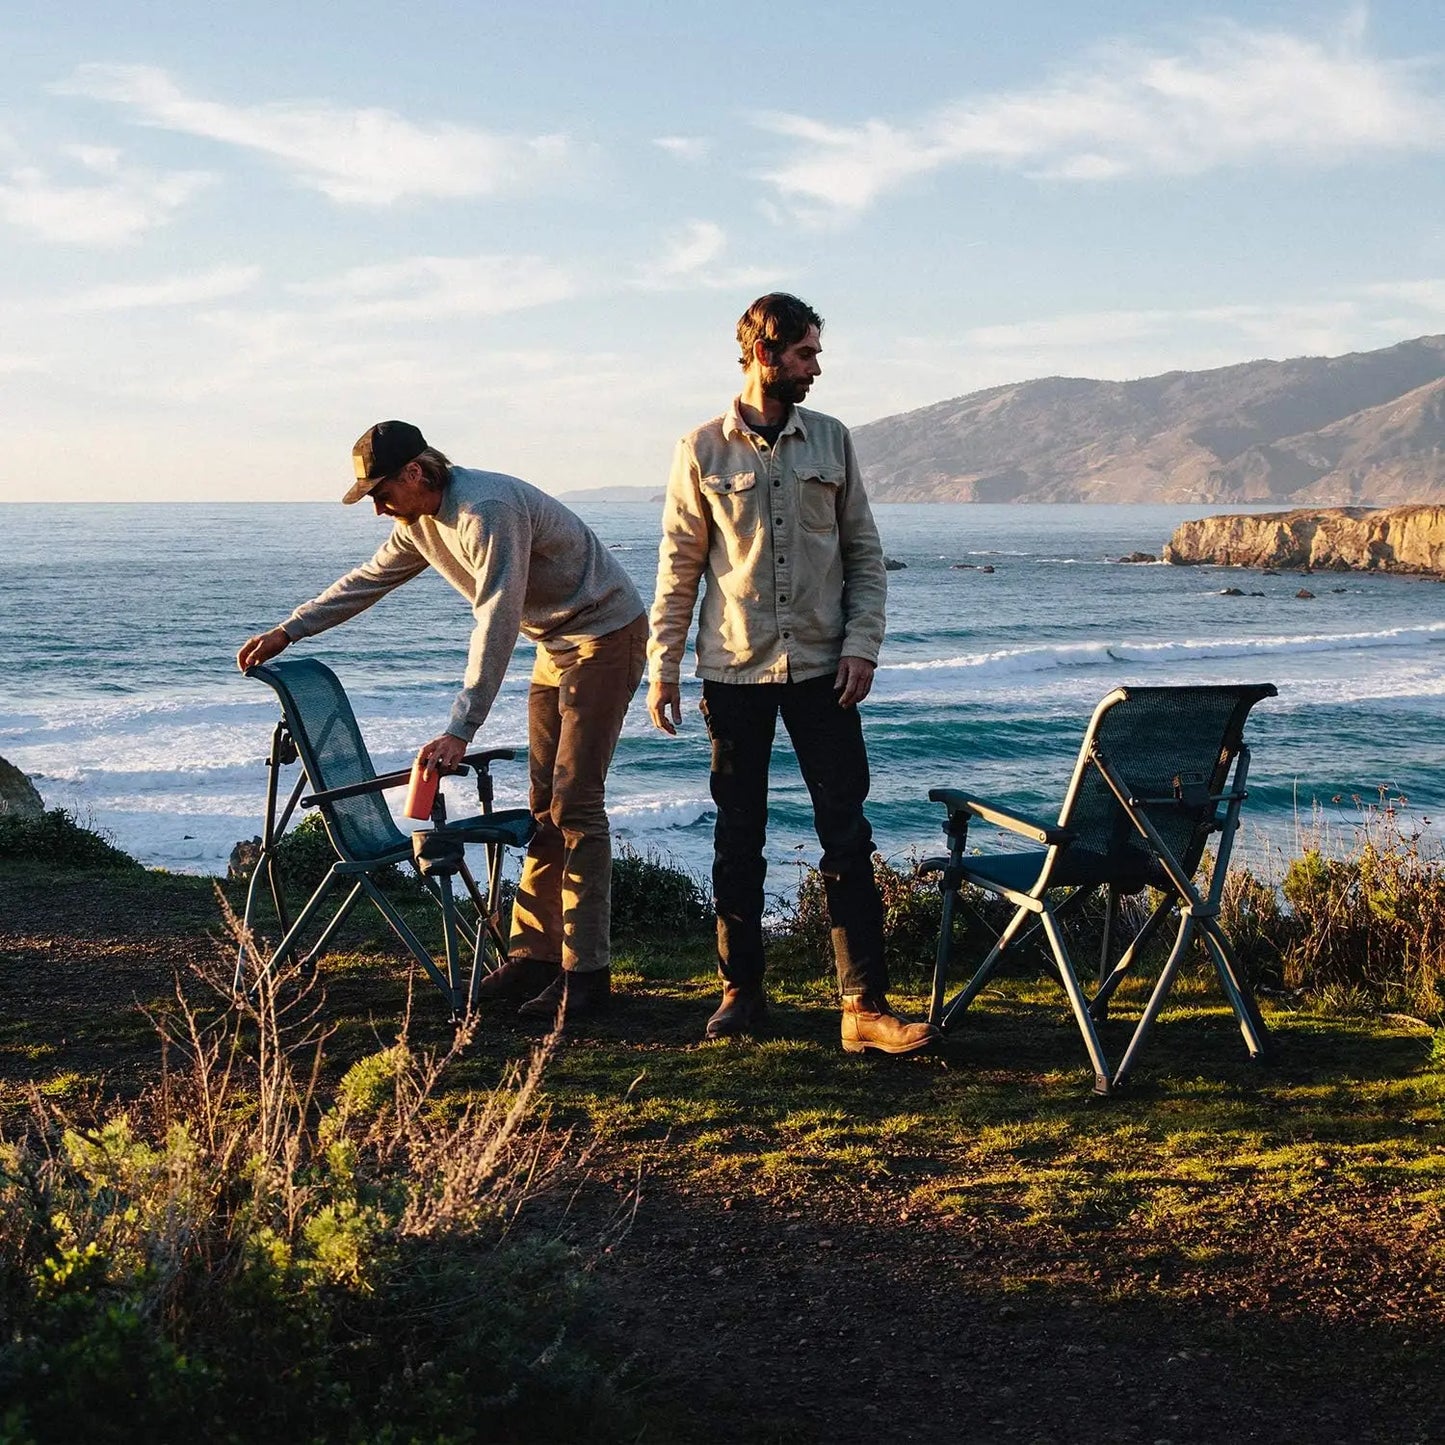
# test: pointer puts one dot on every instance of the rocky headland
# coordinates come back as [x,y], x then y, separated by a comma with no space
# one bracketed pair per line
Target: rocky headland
[1342,539]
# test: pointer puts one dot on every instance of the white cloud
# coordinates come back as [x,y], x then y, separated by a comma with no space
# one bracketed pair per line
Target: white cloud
[363,156]
[117,208]
[1428,295]
[1236,96]
[1111,328]
[433,288]
[206,286]
[686,260]
[684,147]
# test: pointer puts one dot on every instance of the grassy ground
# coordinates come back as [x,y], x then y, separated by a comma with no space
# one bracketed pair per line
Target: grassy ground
[962,1246]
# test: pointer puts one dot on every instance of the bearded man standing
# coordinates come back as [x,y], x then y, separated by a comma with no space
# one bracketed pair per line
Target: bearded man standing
[766,511]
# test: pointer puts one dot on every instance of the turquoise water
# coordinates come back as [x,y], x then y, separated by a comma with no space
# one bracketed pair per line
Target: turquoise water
[119,624]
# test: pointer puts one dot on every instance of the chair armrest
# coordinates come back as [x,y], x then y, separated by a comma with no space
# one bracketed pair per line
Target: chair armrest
[373,785]
[488,755]
[355,790]
[956,802]
[478,760]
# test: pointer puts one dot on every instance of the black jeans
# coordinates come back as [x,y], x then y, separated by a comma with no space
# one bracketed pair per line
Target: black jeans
[828,740]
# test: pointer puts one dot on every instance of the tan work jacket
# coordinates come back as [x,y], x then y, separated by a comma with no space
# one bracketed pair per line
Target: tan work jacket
[784,543]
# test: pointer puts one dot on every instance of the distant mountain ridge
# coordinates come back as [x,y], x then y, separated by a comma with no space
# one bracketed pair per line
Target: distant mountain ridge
[1367,428]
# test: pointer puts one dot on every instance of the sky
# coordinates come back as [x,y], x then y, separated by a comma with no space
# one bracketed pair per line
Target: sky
[234,236]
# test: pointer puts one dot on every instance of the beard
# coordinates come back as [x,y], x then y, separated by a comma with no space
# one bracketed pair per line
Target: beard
[790,390]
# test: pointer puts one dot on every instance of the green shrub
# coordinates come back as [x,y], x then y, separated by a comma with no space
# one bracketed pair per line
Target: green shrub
[58,839]
[305,853]
[912,913]
[654,898]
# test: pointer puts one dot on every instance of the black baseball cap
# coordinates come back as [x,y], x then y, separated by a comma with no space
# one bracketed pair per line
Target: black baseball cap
[381,452]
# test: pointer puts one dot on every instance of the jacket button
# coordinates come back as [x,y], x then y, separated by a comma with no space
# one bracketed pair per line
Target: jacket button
[782,599]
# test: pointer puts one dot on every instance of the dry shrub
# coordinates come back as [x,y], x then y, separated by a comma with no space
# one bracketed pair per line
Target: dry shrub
[302,1263]
[1368,929]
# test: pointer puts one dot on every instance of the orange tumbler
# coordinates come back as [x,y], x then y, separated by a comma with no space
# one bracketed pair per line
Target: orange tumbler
[421,791]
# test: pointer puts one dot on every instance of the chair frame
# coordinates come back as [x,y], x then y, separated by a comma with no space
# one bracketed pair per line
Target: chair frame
[437,854]
[1176,868]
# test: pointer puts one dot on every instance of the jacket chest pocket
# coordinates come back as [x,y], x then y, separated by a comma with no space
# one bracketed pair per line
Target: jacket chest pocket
[818,491]
[733,498]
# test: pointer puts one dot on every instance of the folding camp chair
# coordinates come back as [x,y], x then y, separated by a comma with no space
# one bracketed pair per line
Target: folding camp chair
[1151,784]
[318,728]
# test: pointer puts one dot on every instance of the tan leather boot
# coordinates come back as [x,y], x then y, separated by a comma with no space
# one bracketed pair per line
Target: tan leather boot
[869,1023]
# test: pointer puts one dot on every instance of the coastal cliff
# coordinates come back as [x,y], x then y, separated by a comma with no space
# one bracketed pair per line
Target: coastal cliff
[1389,539]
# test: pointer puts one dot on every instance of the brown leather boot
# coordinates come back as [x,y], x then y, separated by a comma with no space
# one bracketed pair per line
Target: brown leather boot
[516,979]
[577,994]
[742,1011]
[869,1023]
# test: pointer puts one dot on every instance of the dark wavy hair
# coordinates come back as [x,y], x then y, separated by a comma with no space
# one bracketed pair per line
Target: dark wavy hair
[778,320]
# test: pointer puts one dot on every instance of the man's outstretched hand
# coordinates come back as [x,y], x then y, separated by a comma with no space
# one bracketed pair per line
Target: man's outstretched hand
[441,753]
[262,648]
[854,680]
[664,698]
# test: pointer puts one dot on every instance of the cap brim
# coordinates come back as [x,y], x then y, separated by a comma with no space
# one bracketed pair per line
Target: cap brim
[361,489]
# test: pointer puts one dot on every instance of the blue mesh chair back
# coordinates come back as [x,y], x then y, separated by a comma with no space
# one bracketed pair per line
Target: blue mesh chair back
[1171,745]
[324,730]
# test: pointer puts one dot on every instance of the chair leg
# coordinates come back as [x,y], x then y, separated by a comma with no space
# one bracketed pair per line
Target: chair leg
[1236,990]
[308,962]
[1070,981]
[943,955]
[986,969]
[246,927]
[449,943]
[1111,909]
[403,931]
[313,905]
[1100,1005]
[483,931]
[1164,983]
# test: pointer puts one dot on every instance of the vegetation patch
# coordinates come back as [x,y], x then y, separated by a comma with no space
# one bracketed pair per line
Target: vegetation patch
[239,1254]
[57,839]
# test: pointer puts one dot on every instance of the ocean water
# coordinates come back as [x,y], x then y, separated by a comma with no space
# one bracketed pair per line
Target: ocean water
[119,693]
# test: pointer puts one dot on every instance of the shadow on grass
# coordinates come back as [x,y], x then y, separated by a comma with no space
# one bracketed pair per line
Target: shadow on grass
[803,1328]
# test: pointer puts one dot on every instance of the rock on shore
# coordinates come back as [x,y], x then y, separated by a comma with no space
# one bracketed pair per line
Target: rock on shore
[1386,539]
[18,794]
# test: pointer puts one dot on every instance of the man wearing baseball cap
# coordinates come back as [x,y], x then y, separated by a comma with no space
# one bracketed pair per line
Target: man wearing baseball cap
[525,563]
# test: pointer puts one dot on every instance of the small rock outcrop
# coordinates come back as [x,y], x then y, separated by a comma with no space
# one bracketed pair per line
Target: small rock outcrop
[242,862]
[892,564]
[1139,557]
[17,793]
[1385,539]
